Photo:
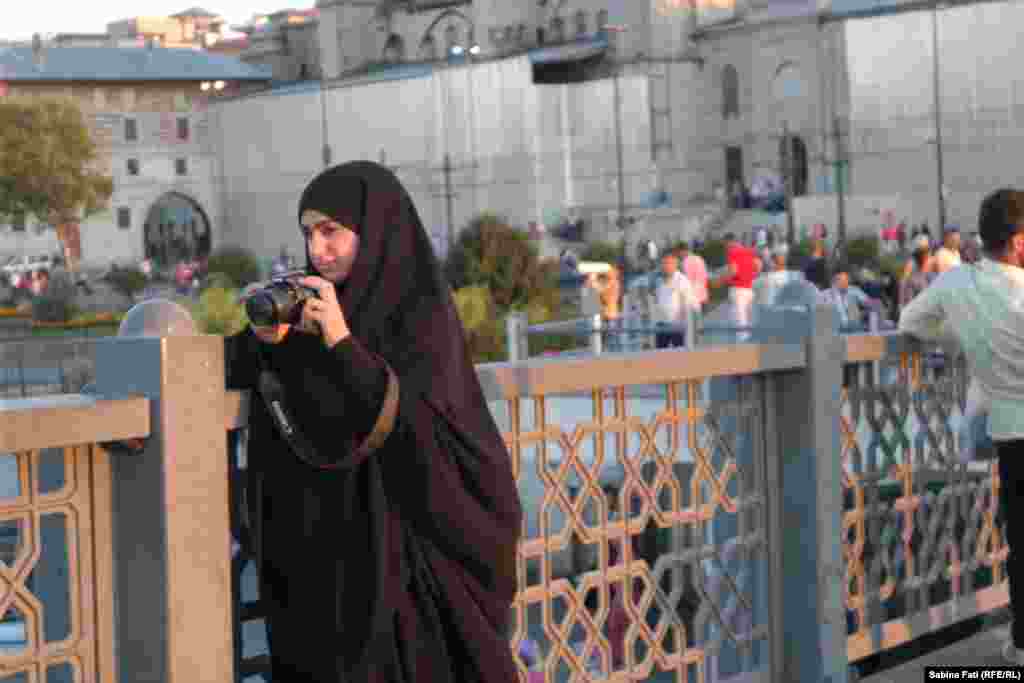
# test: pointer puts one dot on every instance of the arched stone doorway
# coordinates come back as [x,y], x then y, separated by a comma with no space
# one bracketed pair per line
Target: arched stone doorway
[794,148]
[176,230]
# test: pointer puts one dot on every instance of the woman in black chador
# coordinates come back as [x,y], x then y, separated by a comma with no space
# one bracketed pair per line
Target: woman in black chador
[387,545]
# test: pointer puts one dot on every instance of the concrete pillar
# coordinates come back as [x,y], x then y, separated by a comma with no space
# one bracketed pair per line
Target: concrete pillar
[171,535]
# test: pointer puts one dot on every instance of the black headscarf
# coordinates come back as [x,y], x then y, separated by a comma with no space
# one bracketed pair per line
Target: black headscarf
[449,474]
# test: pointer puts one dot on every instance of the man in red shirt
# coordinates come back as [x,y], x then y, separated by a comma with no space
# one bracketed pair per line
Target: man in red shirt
[741,269]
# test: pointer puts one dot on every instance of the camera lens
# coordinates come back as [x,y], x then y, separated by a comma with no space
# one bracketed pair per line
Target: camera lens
[261,309]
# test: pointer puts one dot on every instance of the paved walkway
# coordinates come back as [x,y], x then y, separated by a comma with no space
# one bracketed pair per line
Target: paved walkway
[983,648]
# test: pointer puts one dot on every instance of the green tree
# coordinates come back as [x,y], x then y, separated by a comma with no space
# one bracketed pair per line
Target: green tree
[491,253]
[603,252]
[49,166]
[494,269]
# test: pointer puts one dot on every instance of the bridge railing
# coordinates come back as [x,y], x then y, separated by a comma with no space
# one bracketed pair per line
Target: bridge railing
[759,511]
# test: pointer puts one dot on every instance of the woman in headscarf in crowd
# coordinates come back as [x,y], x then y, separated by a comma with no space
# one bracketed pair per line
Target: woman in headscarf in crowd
[386,524]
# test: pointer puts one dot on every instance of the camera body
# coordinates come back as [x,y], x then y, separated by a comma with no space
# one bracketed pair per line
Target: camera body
[280,302]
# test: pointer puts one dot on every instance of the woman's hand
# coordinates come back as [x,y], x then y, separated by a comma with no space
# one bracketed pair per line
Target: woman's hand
[323,315]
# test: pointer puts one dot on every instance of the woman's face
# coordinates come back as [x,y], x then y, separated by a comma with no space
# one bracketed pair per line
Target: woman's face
[332,249]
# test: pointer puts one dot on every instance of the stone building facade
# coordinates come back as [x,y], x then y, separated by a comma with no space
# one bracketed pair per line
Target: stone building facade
[155,137]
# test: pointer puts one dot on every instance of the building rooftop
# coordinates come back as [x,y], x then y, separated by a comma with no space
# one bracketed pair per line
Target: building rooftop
[125,64]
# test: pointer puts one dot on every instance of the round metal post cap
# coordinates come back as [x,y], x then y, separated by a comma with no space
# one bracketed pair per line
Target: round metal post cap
[157,318]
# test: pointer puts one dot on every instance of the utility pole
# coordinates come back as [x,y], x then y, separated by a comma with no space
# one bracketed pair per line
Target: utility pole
[938,118]
[840,165]
[621,218]
[449,195]
[787,182]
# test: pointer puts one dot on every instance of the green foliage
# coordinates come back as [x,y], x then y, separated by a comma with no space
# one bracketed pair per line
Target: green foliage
[475,306]
[603,252]
[494,270]
[863,252]
[891,265]
[713,253]
[127,281]
[238,264]
[492,254]
[48,163]
[218,311]
[57,303]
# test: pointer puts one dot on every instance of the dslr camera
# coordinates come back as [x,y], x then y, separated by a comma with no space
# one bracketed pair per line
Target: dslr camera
[281,301]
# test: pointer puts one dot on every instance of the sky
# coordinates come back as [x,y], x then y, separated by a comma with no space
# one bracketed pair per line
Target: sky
[61,16]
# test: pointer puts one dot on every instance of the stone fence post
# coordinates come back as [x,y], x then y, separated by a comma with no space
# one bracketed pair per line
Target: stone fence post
[803,480]
[171,534]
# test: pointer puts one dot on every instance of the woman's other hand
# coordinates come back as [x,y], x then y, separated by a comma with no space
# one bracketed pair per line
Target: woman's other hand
[323,315]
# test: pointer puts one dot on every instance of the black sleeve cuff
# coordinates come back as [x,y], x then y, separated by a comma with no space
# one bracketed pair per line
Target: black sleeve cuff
[366,376]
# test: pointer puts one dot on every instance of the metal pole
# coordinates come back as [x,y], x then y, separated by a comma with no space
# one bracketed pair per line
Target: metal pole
[516,337]
[621,219]
[840,165]
[596,335]
[448,199]
[691,328]
[326,150]
[787,171]
[938,117]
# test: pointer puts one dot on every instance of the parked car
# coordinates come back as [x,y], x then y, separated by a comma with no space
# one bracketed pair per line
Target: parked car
[19,266]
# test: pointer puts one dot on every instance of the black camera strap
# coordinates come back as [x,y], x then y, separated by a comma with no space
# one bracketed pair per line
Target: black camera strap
[272,391]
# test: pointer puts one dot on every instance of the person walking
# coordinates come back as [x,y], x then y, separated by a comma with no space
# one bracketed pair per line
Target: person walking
[696,271]
[673,302]
[741,269]
[947,256]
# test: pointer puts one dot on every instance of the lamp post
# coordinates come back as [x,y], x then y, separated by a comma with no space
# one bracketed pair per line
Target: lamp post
[621,221]
[941,183]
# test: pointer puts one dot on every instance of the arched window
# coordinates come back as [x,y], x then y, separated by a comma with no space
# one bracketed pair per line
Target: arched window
[558,30]
[581,24]
[394,49]
[730,92]
[787,83]
[428,48]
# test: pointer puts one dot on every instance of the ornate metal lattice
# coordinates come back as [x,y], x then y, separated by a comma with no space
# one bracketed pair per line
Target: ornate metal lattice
[55,603]
[920,527]
[649,594]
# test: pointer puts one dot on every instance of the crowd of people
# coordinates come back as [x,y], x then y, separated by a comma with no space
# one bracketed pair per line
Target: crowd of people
[759,267]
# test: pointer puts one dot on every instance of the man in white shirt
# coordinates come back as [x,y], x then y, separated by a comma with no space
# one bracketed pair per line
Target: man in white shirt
[673,301]
[981,308]
[948,256]
[768,285]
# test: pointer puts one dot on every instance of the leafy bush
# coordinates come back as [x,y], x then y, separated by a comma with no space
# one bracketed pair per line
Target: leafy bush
[713,253]
[863,252]
[127,281]
[57,303]
[493,254]
[237,263]
[218,311]
[603,252]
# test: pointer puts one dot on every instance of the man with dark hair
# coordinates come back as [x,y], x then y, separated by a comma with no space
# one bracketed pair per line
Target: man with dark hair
[816,270]
[980,307]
